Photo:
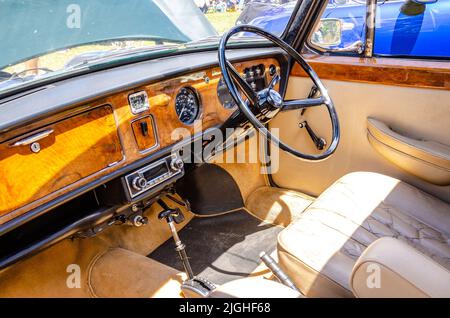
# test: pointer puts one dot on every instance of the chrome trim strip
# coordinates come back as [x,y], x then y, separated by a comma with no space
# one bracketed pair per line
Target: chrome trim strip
[370,27]
[33,138]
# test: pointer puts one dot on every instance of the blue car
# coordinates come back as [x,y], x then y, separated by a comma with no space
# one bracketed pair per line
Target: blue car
[407,28]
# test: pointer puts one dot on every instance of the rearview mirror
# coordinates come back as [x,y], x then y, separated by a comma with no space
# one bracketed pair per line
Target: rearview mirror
[328,33]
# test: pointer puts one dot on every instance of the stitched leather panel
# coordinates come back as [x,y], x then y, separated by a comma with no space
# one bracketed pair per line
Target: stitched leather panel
[357,210]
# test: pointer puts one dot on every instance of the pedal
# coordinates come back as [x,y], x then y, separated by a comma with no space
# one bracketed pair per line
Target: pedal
[197,287]
[206,283]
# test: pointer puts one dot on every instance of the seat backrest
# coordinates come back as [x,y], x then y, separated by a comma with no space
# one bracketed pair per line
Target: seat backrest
[390,267]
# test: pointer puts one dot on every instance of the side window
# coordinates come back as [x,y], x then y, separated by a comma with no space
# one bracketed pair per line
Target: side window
[415,28]
[341,28]
[403,28]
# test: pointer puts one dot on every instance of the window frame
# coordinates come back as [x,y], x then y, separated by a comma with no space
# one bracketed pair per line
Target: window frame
[368,44]
[369,41]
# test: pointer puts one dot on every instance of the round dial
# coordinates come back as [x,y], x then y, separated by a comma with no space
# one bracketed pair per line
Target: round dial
[187,105]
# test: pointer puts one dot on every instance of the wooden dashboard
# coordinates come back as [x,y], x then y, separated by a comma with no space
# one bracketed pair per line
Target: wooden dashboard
[65,151]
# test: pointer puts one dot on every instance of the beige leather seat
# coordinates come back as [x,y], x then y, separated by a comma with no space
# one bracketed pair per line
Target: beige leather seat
[319,250]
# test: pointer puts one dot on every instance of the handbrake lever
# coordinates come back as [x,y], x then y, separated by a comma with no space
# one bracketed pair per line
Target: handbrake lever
[277,271]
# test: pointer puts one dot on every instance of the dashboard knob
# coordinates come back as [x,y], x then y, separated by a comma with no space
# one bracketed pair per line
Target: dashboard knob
[139,183]
[177,164]
[139,220]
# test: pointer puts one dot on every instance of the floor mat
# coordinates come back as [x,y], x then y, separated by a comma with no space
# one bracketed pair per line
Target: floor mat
[222,248]
[207,196]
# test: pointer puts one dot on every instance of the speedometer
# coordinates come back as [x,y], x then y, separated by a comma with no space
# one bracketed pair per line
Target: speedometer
[187,105]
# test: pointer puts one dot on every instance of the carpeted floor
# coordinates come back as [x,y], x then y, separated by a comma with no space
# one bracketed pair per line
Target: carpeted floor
[222,248]
[277,206]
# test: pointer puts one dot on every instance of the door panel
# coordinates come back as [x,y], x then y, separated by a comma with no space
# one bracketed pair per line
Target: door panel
[419,113]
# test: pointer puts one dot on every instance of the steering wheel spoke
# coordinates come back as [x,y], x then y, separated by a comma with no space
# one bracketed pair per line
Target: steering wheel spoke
[302,103]
[243,85]
[275,80]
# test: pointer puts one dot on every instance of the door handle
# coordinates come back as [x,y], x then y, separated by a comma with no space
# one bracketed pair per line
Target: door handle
[318,141]
[33,138]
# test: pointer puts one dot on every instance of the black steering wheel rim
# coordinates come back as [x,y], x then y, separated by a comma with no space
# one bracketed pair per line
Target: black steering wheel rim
[325,99]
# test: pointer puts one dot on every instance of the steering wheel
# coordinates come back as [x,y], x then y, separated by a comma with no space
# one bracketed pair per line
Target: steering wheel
[269,99]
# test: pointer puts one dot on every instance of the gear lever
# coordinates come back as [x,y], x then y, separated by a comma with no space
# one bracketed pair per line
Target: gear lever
[193,287]
[173,216]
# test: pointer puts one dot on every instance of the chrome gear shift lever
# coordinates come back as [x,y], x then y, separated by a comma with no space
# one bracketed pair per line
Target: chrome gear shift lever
[193,287]
[173,216]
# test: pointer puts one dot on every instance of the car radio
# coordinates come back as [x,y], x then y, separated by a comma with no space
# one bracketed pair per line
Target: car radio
[154,174]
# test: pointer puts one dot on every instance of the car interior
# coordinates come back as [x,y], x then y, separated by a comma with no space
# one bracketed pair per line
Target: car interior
[232,170]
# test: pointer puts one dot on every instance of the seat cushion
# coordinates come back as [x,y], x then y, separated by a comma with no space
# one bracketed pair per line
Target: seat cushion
[319,249]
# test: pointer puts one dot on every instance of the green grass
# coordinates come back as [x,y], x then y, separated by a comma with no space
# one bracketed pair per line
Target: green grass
[222,21]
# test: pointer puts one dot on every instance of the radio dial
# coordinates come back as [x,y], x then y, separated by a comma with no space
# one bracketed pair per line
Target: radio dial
[177,164]
[139,183]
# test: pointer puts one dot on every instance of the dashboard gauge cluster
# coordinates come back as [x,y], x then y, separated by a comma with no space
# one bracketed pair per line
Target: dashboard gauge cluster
[255,76]
[187,105]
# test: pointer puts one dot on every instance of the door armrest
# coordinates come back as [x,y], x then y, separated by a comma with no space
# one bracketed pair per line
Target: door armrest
[426,159]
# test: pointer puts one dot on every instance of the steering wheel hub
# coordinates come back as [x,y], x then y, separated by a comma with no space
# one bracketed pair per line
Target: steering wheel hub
[274,98]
